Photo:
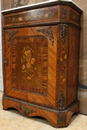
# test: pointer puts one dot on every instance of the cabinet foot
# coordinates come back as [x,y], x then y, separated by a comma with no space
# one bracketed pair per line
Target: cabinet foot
[55,117]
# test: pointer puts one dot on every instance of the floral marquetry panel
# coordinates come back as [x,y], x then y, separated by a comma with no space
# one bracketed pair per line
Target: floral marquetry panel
[32,76]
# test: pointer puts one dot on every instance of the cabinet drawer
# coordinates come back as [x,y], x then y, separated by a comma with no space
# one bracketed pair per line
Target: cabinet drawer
[48,14]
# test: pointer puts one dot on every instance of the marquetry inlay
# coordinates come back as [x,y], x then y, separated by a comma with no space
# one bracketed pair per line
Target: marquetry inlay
[27,59]
[64,13]
[35,15]
[74,17]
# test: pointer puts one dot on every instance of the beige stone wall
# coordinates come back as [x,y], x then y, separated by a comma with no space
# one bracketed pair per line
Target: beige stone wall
[83,43]
[82,92]
[7,4]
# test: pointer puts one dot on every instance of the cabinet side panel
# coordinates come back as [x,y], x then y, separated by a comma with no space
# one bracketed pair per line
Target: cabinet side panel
[73,65]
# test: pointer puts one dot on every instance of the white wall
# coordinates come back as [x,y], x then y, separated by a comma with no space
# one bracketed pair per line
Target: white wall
[1,79]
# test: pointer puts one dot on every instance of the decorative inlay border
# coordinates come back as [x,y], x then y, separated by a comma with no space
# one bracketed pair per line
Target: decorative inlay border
[10,35]
[64,13]
[47,32]
[31,74]
[63,32]
[74,17]
[62,64]
[63,53]
[6,62]
[34,15]
[61,101]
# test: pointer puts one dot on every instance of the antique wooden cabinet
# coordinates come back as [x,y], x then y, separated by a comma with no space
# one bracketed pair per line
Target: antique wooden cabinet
[40,60]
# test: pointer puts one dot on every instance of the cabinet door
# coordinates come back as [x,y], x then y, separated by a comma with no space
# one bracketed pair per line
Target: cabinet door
[30,58]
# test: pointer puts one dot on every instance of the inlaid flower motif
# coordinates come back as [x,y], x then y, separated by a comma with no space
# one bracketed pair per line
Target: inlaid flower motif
[46,15]
[65,57]
[28,63]
[61,59]
[27,17]
[23,67]
[32,60]
[13,19]
[20,19]
[28,78]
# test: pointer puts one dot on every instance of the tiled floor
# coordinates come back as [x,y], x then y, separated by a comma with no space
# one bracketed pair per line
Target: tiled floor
[13,120]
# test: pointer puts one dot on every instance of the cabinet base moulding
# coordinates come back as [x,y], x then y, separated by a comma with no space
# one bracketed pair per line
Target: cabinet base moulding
[55,117]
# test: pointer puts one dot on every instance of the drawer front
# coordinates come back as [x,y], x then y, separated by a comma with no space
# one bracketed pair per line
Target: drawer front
[53,14]
[47,14]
